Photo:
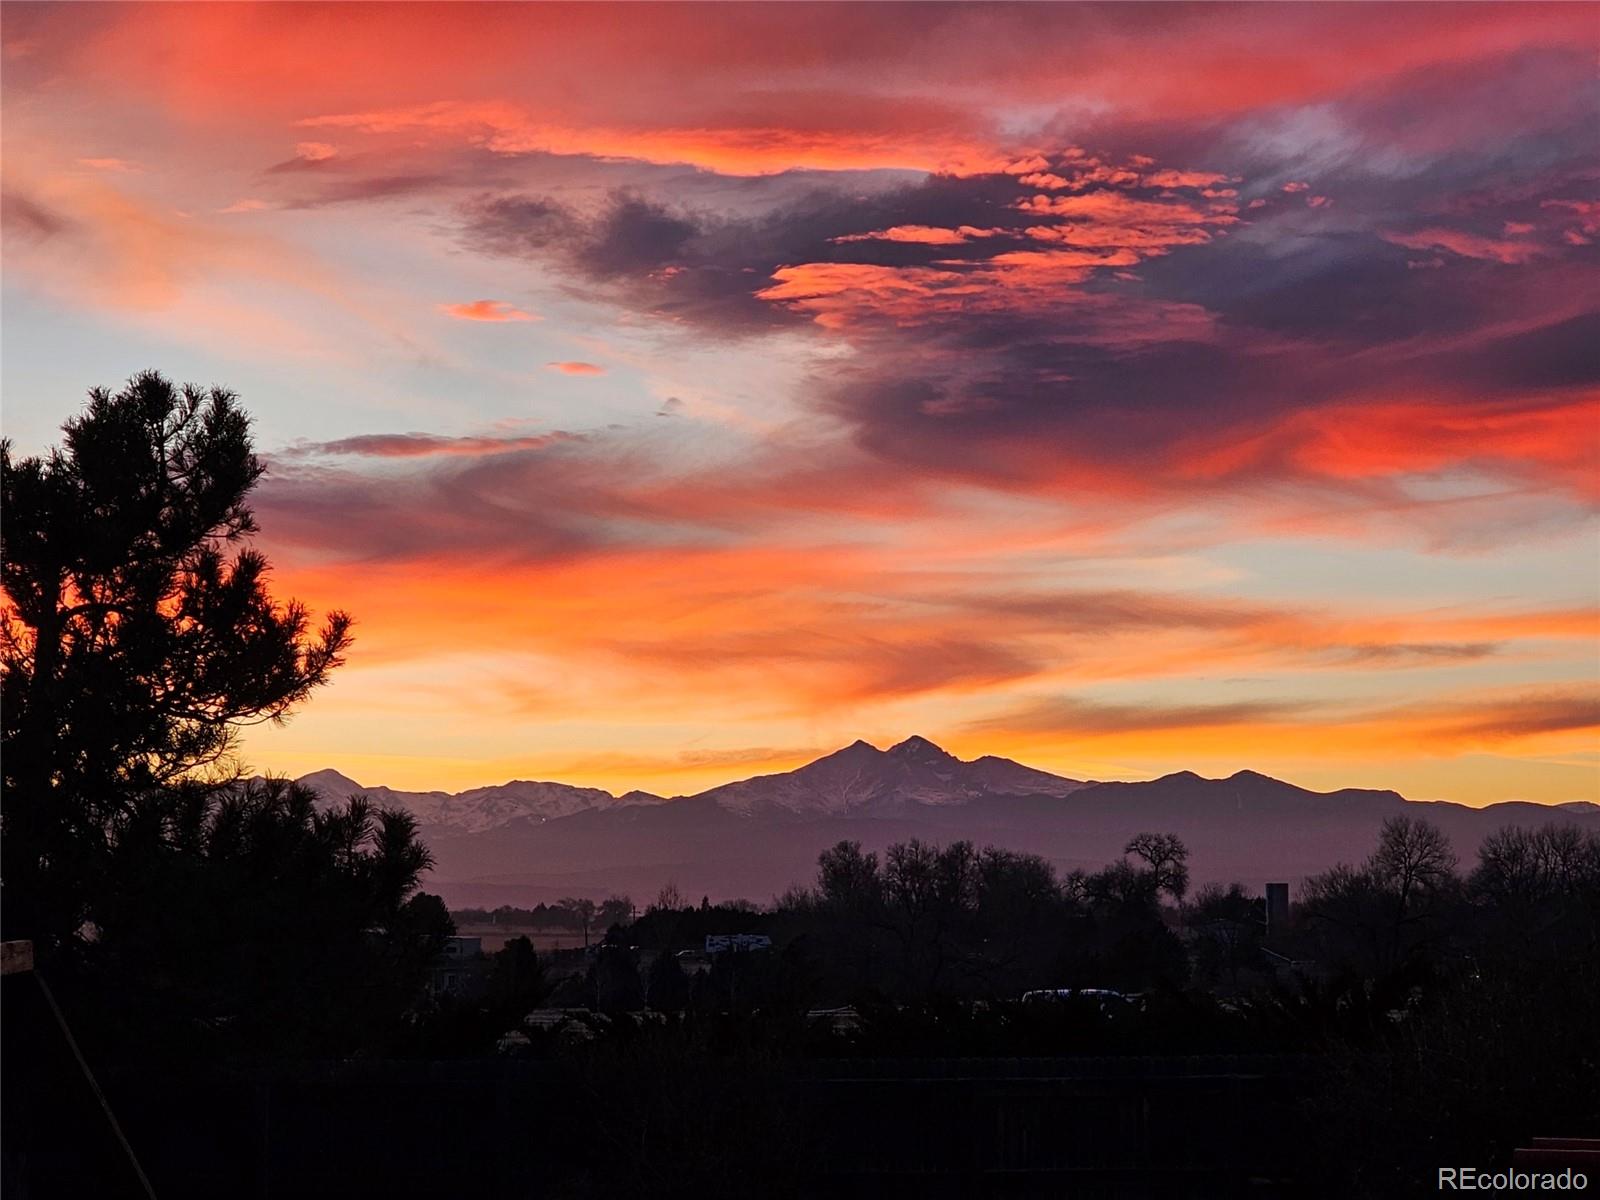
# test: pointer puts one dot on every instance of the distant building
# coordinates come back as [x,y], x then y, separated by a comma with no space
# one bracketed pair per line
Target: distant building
[693,962]
[461,970]
[1277,907]
[578,1024]
[1105,999]
[1290,962]
[463,947]
[513,1041]
[717,943]
[835,1020]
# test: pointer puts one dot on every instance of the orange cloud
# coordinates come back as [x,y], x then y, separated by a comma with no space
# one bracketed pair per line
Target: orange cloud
[863,296]
[791,634]
[1120,209]
[720,601]
[1552,722]
[486,310]
[926,235]
[508,128]
[1109,229]
[576,368]
[1385,437]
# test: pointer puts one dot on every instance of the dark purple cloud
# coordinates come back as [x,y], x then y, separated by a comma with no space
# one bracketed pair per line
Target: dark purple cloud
[1181,304]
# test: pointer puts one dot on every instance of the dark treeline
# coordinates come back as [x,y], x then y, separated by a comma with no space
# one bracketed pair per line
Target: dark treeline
[929,924]
[1451,1009]
[539,916]
[575,913]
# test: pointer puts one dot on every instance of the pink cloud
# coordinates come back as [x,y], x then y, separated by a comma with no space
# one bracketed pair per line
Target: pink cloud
[1467,245]
[576,368]
[1588,216]
[1183,179]
[1175,62]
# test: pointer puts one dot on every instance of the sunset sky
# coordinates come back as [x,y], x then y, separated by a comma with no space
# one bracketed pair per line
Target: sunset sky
[674,394]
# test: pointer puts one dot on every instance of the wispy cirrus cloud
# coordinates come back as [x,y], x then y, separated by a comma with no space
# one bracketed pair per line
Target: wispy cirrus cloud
[422,445]
[308,156]
[1069,716]
[95,243]
[117,166]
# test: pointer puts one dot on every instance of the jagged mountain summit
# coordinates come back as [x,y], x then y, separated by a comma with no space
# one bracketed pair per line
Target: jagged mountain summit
[863,779]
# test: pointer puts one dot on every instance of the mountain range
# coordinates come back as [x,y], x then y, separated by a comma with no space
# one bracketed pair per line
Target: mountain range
[523,841]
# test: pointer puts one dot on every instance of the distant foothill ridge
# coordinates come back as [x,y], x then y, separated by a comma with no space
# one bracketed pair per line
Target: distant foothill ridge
[859,780]
[526,840]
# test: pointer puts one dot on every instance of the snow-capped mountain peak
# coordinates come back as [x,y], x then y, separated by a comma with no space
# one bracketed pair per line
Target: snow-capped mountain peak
[917,749]
[862,778]
[331,784]
[477,810]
